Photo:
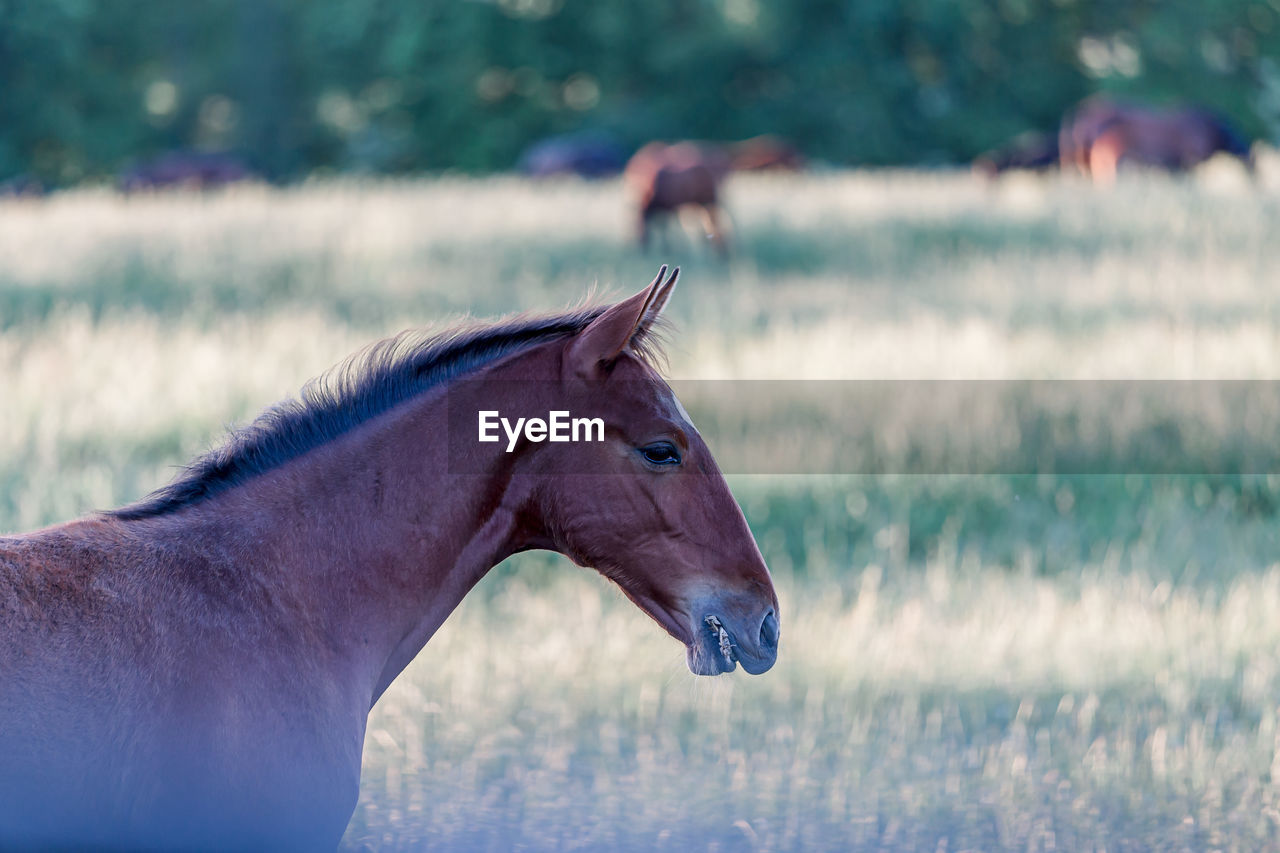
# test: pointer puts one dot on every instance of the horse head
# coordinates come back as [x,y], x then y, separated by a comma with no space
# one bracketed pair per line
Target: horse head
[647,506]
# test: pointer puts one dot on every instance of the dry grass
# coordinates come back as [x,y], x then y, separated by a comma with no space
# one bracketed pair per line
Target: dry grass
[974,708]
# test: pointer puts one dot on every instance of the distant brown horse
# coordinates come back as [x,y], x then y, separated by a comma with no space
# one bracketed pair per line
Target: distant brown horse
[666,179]
[195,670]
[1102,134]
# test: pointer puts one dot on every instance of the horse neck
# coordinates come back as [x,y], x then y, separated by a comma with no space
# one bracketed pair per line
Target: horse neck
[373,538]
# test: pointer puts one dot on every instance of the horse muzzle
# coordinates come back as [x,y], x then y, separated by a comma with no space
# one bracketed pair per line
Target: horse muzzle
[721,643]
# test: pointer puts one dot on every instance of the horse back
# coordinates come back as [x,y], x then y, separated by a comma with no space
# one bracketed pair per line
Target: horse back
[666,177]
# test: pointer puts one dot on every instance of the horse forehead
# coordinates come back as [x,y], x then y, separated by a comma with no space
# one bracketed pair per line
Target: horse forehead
[657,396]
[672,408]
[657,393]
[680,409]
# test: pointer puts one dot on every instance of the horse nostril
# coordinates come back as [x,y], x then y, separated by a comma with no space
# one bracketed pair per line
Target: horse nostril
[769,631]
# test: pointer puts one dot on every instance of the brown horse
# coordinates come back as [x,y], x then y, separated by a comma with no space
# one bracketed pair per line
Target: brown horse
[668,179]
[1101,134]
[195,670]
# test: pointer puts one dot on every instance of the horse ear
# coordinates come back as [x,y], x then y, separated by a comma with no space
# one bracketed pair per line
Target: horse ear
[621,326]
[661,291]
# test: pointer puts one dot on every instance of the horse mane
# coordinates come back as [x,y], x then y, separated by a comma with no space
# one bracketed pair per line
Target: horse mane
[369,383]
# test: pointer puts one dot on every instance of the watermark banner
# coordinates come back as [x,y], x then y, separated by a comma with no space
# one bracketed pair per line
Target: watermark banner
[942,427]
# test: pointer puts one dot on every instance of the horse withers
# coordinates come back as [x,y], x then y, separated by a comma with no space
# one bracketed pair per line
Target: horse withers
[196,670]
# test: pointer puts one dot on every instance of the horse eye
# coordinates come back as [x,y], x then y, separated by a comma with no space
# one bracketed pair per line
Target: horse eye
[661,453]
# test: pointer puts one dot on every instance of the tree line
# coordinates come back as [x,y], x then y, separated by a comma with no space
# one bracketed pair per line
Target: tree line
[295,87]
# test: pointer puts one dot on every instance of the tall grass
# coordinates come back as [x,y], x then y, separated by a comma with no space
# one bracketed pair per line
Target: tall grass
[1009,661]
[957,707]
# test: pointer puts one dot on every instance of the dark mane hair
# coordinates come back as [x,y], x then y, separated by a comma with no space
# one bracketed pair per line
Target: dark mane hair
[367,384]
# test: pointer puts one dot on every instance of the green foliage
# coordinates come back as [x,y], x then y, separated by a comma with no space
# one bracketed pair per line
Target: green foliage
[405,85]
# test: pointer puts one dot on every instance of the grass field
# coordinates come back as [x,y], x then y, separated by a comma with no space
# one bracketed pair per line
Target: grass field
[1013,661]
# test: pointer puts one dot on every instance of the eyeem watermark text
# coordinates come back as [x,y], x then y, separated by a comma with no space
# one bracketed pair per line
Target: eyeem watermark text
[558,426]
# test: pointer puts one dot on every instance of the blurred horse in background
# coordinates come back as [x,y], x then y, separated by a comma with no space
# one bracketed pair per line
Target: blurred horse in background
[666,179]
[1102,134]
[585,155]
[686,177]
[188,170]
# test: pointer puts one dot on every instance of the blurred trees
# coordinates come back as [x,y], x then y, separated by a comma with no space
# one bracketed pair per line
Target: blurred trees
[295,86]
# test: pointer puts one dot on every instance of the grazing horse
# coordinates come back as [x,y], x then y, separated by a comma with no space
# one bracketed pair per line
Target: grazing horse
[187,170]
[1102,134]
[585,155]
[668,179]
[195,670]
